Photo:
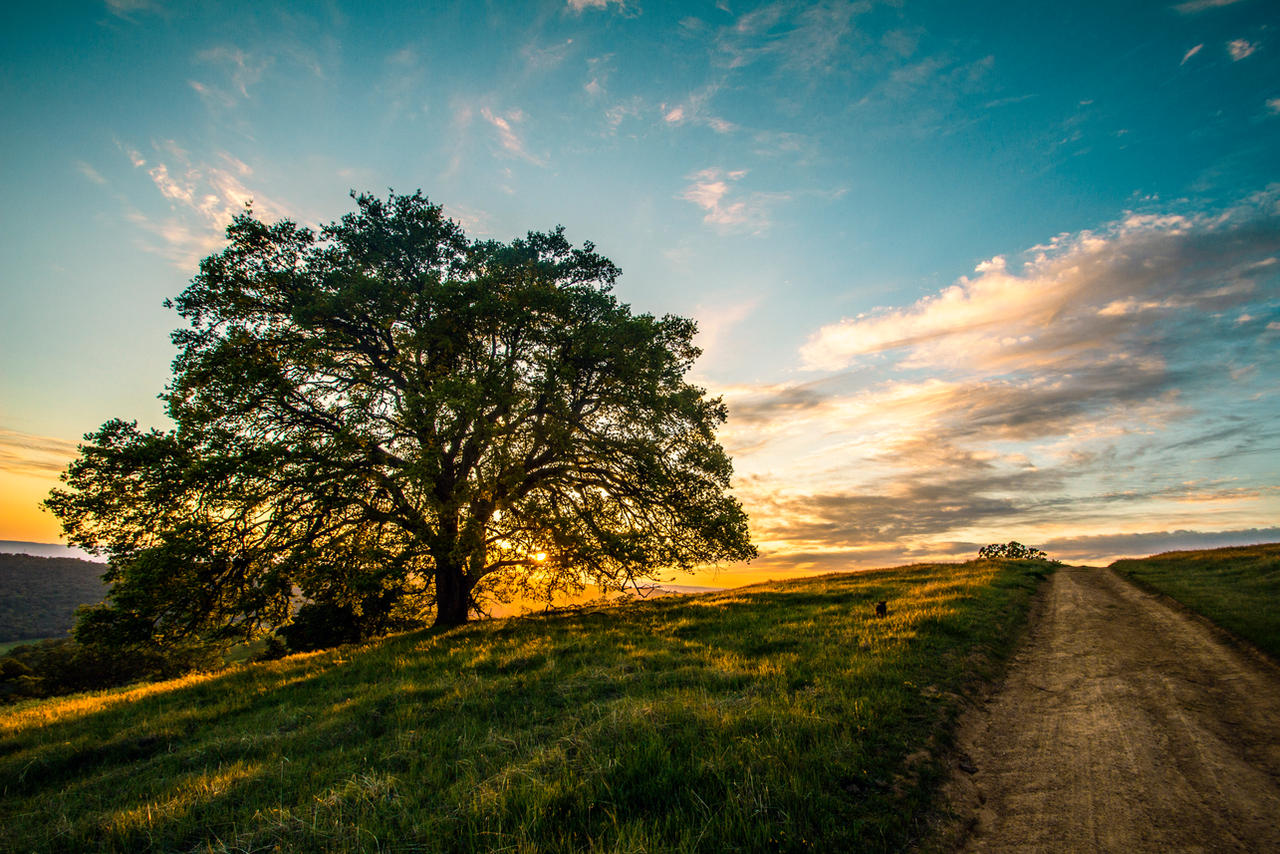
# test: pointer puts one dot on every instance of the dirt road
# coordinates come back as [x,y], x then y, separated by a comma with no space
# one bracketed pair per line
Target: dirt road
[1125,725]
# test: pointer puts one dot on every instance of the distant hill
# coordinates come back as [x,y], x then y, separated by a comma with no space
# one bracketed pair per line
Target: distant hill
[39,595]
[19,547]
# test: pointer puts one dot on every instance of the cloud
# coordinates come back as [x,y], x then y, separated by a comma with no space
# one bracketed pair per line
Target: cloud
[599,69]
[473,220]
[1273,106]
[511,141]
[806,38]
[1110,547]
[89,172]
[1240,48]
[1098,383]
[1190,53]
[785,144]
[694,110]
[1193,6]
[29,454]
[715,322]
[713,190]
[544,58]
[579,5]
[204,198]
[212,95]
[1071,298]
[243,70]
[1097,550]
[630,109]
[128,8]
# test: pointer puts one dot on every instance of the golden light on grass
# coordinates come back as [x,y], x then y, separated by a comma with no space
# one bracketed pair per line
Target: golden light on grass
[606,728]
[196,789]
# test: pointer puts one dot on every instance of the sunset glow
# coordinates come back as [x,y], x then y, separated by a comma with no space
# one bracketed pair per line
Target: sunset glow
[962,274]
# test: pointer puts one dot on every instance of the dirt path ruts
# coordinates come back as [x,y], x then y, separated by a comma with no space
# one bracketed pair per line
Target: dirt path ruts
[1124,725]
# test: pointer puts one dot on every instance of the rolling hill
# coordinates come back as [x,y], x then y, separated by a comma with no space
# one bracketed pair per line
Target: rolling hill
[39,595]
[780,717]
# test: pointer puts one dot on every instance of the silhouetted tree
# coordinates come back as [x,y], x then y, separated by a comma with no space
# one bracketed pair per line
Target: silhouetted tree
[1013,550]
[390,419]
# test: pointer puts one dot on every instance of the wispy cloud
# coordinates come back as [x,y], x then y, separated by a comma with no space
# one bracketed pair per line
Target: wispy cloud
[772,143]
[461,116]
[1190,53]
[28,454]
[579,5]
[695,110]
[809,38]
[716,321]
[632,108]
[1193,6]
[599,69]
[545,57]
[243,69]
[1273,106]
[714,190]
[128,8]
[204,198]
[1241,48]
[474,221]
[505,124]
[240,71]
[89,172]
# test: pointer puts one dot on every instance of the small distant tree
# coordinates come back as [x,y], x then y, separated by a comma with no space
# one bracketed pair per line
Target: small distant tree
[394,421]
[1012,551]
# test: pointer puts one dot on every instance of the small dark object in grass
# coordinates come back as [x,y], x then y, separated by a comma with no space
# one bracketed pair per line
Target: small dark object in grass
[882,609]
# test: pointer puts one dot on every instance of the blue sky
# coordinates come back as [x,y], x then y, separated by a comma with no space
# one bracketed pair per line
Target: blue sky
[964,272]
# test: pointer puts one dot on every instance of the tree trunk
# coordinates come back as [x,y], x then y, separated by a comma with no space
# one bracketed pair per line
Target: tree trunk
[453,595]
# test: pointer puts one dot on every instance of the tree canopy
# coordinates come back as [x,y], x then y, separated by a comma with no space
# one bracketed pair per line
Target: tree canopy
[389,420]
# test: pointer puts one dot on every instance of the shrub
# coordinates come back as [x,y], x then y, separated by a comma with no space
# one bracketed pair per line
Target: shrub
[1012,550]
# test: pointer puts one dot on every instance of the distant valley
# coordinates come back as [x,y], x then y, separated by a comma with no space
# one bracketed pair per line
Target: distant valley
[39,595]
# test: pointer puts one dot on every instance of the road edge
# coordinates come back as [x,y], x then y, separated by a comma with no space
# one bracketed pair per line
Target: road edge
[956,799]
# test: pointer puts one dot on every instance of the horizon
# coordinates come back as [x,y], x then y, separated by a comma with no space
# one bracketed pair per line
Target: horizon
[962,276]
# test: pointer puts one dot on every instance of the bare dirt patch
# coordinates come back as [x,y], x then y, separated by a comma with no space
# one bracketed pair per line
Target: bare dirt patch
[1125,724]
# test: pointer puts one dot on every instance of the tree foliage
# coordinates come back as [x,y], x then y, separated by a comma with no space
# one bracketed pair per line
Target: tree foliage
[1012,550]
[390,420]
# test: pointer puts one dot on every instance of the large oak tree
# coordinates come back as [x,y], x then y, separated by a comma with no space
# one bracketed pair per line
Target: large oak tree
[388,418]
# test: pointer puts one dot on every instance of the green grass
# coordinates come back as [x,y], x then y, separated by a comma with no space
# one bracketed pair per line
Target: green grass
[1237,588]
[781,717]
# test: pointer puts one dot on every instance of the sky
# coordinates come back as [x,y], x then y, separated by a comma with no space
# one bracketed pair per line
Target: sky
[964,272]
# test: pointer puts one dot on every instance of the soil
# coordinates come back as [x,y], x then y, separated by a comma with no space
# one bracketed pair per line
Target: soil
[1125,724]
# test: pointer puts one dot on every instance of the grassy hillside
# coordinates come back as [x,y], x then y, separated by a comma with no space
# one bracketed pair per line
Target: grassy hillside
[1237,588]
[782,717]
[39,595]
